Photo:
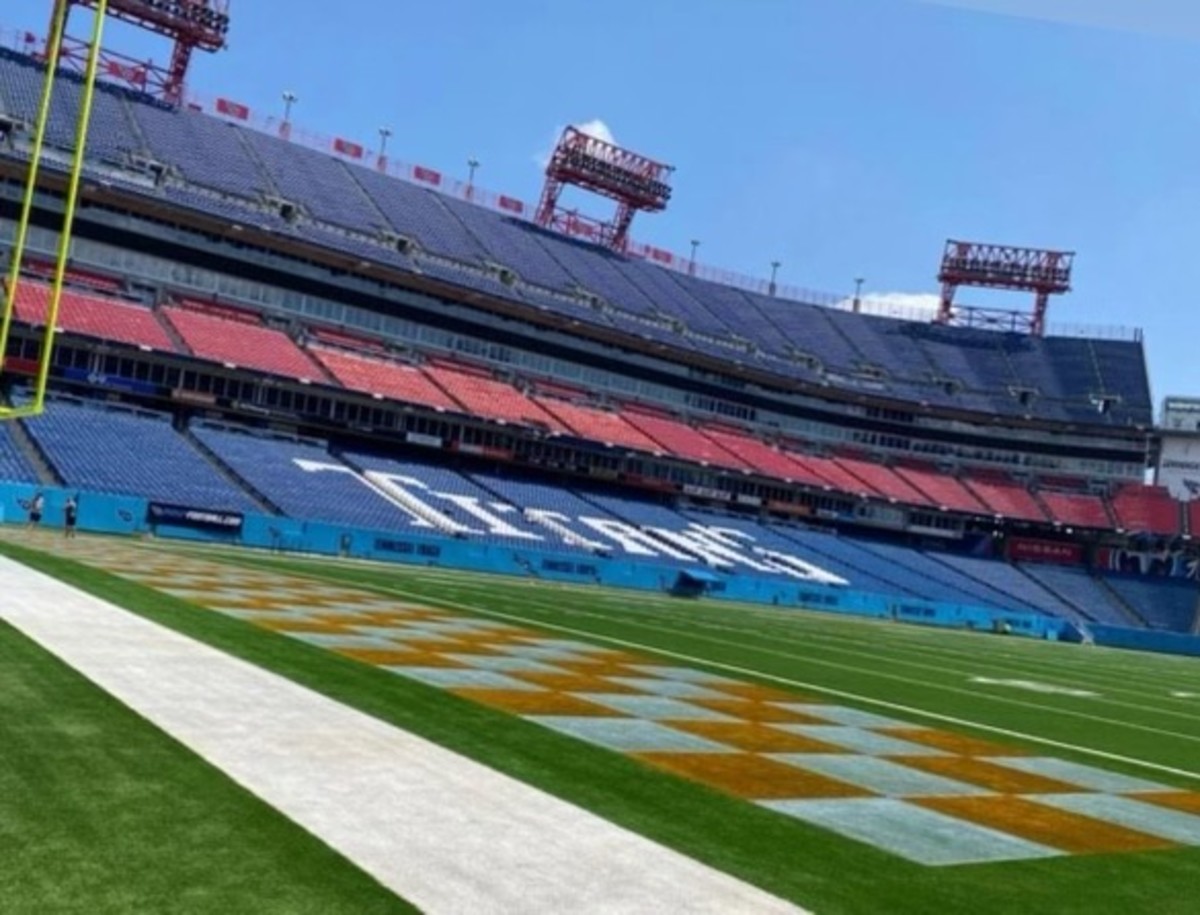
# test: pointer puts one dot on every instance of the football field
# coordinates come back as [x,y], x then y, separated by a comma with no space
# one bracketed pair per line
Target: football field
[845,765]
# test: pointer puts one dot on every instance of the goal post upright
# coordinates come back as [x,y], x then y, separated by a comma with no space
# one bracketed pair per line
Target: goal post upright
[191,24]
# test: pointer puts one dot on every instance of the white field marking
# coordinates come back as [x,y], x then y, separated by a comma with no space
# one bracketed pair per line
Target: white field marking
[829,691]
[1034,686]
[1178,694]
[445,832]
[643,623]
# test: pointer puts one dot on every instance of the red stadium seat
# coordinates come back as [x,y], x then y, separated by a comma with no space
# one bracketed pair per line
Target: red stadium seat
[1148,509]
[883,480]
[599,425]
[482,395]
[1004,496]
[93,316]
[756,454]
[1076,509]
[404,383]
[942,489]
[682,440]
[225,338]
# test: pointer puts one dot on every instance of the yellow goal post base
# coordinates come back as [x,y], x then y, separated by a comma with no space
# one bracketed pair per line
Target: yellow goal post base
[17,254]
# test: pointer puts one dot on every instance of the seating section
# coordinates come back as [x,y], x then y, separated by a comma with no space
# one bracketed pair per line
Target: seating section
[941,489]
[826,551]
[404,383]
[456,500]
[14,466]
[756,454]
[228,170]
[923,575]
[831,474]
[598,425]
[228,337]
[482,395]
[531,496]
[1004,496]
[1009,581]
[1075,509]
[680,439]
[1086,594]
[130,453]
[93,316]
[883,480]
[1169,605]
[106,448]
[1146,509]
[301,479]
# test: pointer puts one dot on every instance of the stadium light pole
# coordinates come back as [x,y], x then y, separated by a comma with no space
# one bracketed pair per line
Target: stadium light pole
[289,99]
[692,262]
[384,133]
[775,265]
[472,164]
[858,285]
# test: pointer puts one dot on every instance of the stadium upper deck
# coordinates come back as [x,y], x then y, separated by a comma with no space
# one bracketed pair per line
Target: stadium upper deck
[190,162]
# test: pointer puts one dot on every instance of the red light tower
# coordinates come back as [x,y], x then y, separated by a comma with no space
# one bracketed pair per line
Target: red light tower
[634,181]
[964,263]
[191,24]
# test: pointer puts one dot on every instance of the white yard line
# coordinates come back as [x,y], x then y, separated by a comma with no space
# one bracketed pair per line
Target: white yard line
[448,834]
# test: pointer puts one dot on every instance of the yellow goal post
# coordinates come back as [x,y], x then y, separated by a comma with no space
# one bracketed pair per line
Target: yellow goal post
[17,254]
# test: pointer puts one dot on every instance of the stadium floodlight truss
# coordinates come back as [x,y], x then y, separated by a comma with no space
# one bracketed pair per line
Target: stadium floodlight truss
[54,50]
[1042,272]
[581,160]
[190,24]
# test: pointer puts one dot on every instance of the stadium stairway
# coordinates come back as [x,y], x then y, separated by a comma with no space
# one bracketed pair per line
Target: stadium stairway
[265,505]
[172,333]
[29,449]
[1124,604]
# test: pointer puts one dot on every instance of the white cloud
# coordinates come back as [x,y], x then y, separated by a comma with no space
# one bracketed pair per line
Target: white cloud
[912,306]
[593,128]
[598,129]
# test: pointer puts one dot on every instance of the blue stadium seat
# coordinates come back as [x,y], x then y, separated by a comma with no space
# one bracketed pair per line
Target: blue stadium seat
[14,466]
[1079,589]
[1169,605]
[127,452]
[269,465]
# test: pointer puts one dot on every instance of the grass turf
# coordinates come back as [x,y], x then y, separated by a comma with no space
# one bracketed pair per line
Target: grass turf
[921,668]
[101,812]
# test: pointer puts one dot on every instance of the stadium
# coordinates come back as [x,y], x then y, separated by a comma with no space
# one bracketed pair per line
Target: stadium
[377,542]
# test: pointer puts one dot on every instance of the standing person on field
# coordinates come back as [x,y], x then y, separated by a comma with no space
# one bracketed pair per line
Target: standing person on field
[36,505]
[71,515]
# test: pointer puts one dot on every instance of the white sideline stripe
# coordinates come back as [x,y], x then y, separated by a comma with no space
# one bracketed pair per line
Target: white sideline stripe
[448,834]
[812,687]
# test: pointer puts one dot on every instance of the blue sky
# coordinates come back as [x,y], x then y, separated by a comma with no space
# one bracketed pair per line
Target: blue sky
[842,137]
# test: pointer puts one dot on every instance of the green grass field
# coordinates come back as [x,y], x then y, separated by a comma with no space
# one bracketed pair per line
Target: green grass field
[1142,718]
[100,812]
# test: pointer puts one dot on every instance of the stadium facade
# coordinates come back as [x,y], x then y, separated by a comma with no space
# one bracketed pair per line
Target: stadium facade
[256,329]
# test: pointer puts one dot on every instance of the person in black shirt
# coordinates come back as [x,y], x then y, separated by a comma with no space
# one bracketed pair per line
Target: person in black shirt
[71,515]
[36,505]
